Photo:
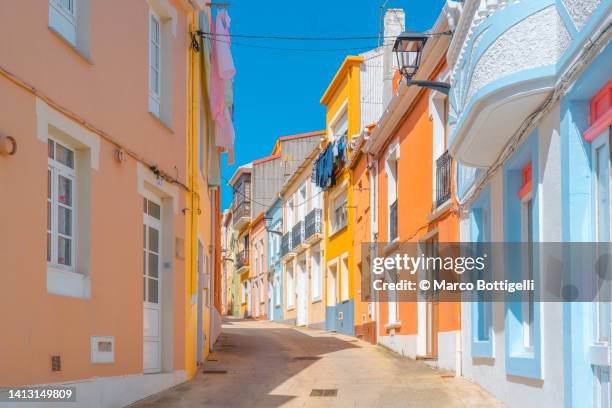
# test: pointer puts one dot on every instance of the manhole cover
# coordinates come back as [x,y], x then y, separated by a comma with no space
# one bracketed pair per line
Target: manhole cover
[307,358]
[213,371]
[322,392]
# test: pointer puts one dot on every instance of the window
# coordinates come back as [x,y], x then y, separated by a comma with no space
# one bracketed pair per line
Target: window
[316,274]
[290,288]
[339,217]
[154,64]
[601,168]
[290,206]
[261,255]
[340,127]
[261,291]
[61,206]
[244,292]
[277,293]
[391,167]
[162,21]
[63,19]
[344,280]
[70,20]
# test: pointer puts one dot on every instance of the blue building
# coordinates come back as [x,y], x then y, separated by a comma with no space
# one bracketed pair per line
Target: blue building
[274,225]
[529,124]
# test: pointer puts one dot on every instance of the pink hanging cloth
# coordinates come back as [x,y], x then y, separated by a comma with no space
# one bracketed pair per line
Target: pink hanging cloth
[222,75]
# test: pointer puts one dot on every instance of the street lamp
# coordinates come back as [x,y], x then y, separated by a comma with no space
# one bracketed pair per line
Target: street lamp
[408,49]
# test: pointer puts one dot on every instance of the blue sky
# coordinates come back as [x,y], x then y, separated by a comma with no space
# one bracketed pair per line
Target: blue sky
[277,93]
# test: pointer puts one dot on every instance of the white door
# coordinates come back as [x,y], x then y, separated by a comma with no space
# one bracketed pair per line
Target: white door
[302,302]
[249,299]
[152,285]
[270,302]
[256,290]
[601,350]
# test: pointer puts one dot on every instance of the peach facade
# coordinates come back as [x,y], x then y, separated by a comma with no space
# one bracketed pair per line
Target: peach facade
[258,274]
[91,95]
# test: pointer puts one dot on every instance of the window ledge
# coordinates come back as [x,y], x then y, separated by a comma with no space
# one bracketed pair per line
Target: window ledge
[338,231]
[439,211]
[79,52]
[395,325]
[290,308]
[316,300]
[161,122]
[66,283]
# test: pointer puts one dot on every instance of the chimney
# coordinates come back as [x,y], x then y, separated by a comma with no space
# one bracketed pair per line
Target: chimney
[394,24]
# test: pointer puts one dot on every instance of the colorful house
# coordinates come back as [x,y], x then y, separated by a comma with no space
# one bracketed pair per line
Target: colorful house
[105,286]
[241,216]
[542,69]
[414,206]
[274,226]
[258,274]
[353,100]
[302,246]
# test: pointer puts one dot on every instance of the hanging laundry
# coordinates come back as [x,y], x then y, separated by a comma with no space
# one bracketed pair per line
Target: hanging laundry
[222,74]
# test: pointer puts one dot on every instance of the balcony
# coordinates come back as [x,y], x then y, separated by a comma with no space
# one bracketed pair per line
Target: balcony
[242,261]
[393,221]
[443,179]
[313,226]
[241,213]
[505,60]
[297,236]
[287,245]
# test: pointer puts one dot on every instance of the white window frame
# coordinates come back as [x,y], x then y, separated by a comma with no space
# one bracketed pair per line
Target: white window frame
[64,20]
[277,292]
[244,292]
[290,288]
[155,97]
[528,307]
[317,277]
[345,290]
[57,169]
[338,201]
[338,122]
[392,161]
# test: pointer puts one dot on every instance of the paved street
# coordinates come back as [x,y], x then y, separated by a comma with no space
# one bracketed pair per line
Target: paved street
[263,364]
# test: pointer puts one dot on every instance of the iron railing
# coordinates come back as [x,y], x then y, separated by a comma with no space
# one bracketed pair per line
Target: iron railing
[240,210]
[242,259]
[286,244]
[393,221]
[297,234]
[312,223]
[443,179]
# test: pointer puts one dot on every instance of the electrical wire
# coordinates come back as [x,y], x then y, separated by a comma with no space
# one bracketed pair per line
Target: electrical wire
[291,38]
[265,47]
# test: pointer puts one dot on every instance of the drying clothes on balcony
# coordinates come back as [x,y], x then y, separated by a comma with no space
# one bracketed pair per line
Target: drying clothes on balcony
[330,160]
[222,75]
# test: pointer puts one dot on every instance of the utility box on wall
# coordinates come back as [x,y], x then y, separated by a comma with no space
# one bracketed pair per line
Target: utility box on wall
[102,349]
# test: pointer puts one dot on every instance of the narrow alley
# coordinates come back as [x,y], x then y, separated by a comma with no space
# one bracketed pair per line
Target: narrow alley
[266,364]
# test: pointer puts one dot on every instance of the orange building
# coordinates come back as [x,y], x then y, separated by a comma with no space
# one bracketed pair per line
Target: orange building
[414,205]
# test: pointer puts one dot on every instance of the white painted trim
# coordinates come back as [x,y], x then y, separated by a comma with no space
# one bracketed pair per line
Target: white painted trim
[66,283]
[147,182]
[339,113]
[116,391]
[52,122]
[166,12]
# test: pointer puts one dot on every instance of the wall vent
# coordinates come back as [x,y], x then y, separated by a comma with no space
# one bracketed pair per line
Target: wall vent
[56,363]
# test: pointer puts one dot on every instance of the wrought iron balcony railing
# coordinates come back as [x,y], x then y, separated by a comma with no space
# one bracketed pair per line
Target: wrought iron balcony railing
[241,210]
[242,259]
[443,179]
[297,234]
[312,223]
[286,246]
[393,221]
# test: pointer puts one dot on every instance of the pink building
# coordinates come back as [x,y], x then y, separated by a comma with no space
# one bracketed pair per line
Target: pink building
[258,272]
[93,283]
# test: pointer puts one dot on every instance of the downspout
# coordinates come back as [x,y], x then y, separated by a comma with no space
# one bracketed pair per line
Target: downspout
[192,270]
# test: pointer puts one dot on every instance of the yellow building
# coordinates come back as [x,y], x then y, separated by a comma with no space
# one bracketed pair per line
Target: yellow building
[342,121]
